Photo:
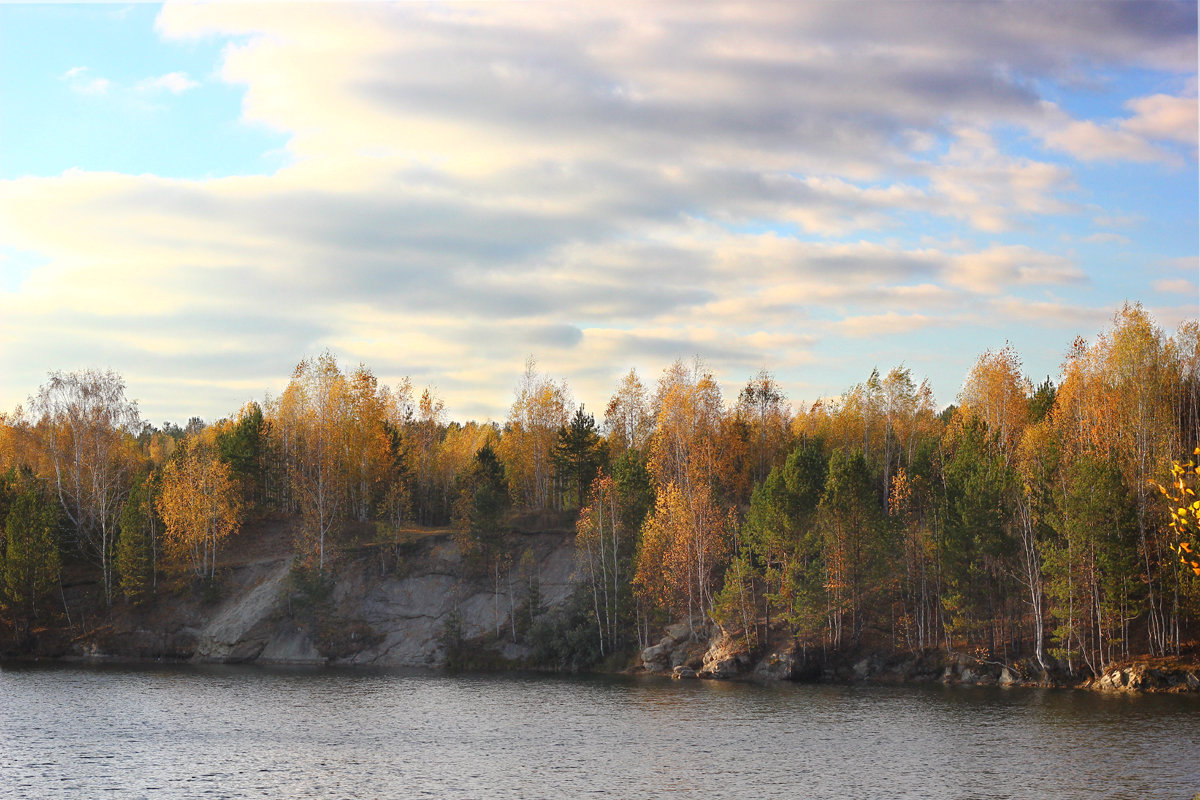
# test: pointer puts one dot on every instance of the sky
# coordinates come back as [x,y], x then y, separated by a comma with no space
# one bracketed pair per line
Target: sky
[199,196]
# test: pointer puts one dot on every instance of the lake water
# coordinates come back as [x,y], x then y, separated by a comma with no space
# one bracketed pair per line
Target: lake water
[243,732]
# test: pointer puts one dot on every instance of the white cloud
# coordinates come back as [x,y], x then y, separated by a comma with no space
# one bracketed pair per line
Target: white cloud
[1164,117]
[1157,121]
[1050,314]
[173,82]
[887,324]
[82,81]
[1004,267]
[1106,237]
[1178,286]
[978,182]
[604,186]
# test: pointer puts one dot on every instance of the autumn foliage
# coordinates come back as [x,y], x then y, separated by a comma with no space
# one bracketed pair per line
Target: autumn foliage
[1021,522]
[200,506]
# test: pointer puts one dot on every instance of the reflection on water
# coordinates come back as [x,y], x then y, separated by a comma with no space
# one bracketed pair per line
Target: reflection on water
[240,732]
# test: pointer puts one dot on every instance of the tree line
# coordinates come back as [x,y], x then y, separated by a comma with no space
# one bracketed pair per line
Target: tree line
[1043,522]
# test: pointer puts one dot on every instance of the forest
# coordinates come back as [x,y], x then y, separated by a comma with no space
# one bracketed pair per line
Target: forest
[1051,521]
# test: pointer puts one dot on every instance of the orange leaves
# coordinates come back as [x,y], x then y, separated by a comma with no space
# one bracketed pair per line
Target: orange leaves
[900,494]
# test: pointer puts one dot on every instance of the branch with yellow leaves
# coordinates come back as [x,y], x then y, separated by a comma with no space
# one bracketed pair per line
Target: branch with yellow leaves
[1185,510]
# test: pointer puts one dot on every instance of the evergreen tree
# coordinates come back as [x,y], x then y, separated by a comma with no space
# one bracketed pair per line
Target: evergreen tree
[243,448]
[31,564]
[579,455]
[852,527]
[137,544]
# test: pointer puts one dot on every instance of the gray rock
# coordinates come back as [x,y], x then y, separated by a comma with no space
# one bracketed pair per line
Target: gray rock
[290,648]
[239,631]
[515,652]
[776,667]
[683,672]
[657,655]
[680,656]
[679,632]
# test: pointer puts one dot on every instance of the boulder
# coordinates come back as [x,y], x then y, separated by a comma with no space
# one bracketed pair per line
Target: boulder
[678,632]
[724,658]
[680,656]
[777,667]
[683,673]
[655,658]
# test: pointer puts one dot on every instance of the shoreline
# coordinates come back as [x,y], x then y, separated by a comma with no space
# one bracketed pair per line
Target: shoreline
[1133,678]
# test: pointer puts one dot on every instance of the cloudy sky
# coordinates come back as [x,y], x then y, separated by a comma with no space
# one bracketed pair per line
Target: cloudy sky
[199,196]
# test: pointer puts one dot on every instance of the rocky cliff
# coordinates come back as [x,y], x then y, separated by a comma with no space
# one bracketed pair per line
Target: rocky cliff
[380,609]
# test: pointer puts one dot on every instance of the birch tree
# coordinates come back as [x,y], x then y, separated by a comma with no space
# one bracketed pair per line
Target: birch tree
[86,429]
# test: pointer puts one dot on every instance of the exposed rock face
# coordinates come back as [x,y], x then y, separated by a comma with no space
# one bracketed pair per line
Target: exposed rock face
[656,657]
[411,611]
[242,628]
[406,612]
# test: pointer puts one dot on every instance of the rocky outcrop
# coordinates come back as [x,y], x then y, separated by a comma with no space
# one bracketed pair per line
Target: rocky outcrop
[725,658]
[671,649]
[1147,678]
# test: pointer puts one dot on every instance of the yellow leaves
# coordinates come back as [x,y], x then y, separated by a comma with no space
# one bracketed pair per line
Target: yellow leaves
[1183,515]
[684,540]
[199,505]
[688,411]
[540,409]
[997,392]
